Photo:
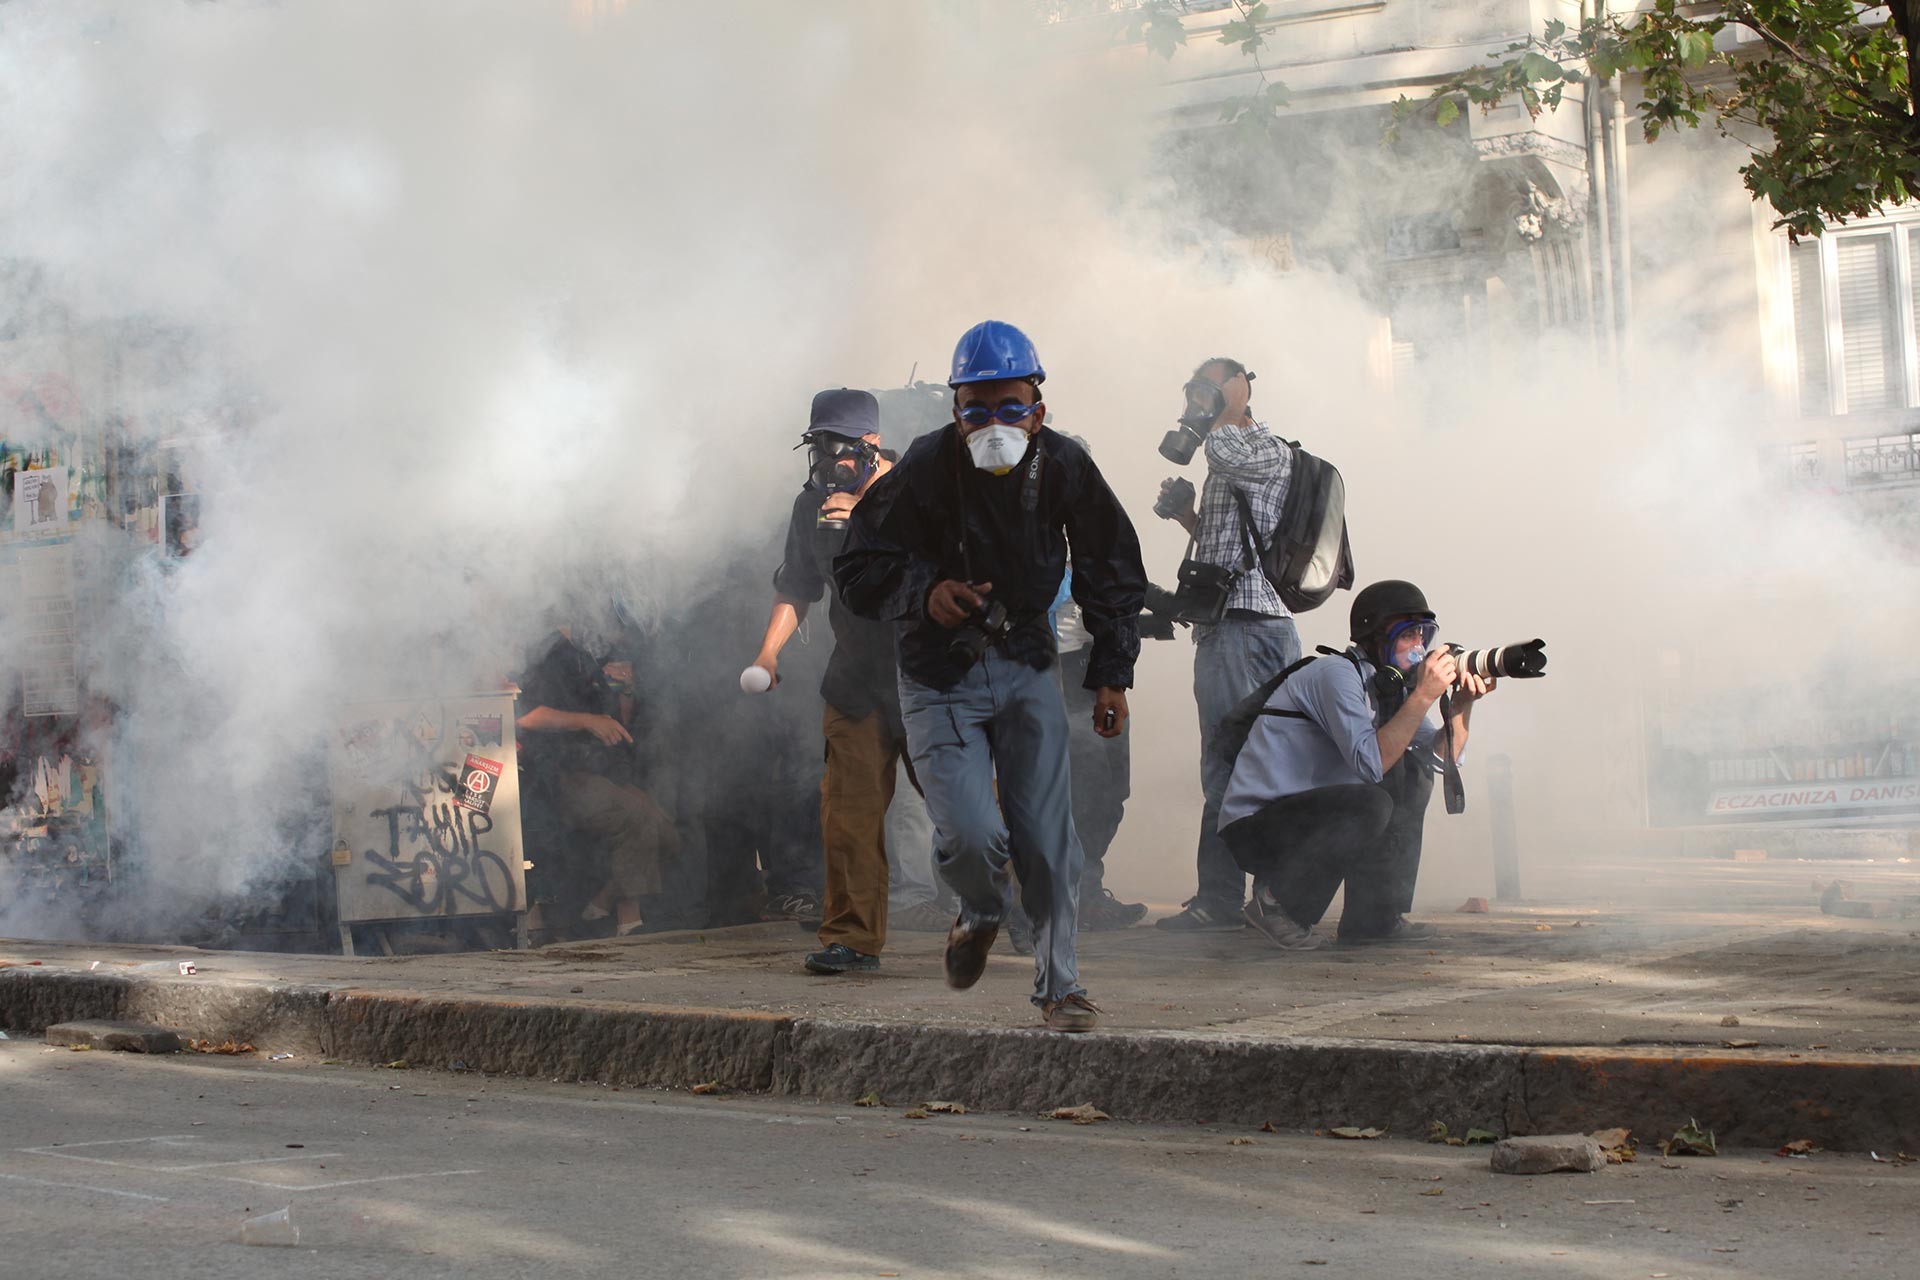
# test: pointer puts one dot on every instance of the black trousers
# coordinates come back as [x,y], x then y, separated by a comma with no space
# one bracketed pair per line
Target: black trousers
[1102,770]
[1302,847]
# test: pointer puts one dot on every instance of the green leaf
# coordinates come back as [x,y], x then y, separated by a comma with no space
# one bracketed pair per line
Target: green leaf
[1481,1135]
[1537,66]
[1446,113]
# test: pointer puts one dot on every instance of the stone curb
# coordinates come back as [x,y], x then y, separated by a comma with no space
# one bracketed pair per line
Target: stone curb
[1748,1099]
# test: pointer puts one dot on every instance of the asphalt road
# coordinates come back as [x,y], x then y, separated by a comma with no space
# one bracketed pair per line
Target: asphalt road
[113,1164]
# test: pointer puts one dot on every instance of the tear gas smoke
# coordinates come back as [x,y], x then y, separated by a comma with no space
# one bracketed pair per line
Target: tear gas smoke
[456,313]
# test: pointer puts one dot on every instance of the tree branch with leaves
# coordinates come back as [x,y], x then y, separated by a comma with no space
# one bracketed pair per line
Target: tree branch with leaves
[1831,81]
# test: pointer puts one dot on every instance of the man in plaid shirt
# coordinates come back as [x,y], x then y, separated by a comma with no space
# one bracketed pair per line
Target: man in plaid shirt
[1257,637]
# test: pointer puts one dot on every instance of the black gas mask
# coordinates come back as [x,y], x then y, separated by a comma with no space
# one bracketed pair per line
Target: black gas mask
[837,464]
[1205,402]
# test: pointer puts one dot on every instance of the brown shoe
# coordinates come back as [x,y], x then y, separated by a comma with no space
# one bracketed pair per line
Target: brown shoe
[967,947]
[1071,1013]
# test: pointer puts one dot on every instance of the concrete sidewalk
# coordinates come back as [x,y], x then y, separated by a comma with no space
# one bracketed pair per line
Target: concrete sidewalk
[1570,1016]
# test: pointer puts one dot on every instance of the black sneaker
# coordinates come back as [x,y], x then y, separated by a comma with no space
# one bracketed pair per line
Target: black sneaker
[1100,911]
[841,958]
[802,908]
[1401,930]
[1201,916]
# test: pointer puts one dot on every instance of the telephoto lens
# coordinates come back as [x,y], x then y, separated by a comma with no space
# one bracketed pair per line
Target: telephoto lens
[1524,661]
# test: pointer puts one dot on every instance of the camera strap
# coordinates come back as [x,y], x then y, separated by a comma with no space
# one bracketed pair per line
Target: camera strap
[1451,786]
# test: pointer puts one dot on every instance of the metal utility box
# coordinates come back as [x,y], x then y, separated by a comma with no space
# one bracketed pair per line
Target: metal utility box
[426,812]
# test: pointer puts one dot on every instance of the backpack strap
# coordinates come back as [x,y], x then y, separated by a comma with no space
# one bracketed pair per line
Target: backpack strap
[1250,540]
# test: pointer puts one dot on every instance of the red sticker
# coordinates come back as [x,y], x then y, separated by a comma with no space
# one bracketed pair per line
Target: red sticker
[478,779]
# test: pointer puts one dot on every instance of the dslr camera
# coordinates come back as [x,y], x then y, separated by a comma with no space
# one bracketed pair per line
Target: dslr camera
[1524,661]
[985,626]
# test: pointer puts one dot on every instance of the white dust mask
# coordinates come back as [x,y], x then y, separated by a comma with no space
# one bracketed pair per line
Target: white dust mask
[997,448]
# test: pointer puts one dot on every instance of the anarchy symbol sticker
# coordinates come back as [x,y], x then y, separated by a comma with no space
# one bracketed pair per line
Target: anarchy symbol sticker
[478,778]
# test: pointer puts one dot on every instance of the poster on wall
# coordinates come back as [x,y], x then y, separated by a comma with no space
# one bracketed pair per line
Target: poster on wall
[40,500]
[42,576]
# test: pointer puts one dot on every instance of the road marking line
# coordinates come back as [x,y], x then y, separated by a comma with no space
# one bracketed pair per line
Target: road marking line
[345,1182]
[109,1142]
[80,1186]
[222,1164]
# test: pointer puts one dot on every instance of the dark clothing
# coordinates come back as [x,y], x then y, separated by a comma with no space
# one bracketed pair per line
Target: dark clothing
[1303,845]
[744,771]
[936,516]
[566,677]
[860,679]
[1102,772]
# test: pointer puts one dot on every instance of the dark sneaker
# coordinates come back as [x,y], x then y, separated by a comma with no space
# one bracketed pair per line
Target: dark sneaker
[841,958]
[1401,930]
[967,947]
[1071,1013]
[1101,911]
[1201,916]
[921,917]
[802,908]
[1282,929]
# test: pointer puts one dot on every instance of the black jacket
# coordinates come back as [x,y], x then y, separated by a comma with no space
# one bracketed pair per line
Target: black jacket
[936,515]
[860,676]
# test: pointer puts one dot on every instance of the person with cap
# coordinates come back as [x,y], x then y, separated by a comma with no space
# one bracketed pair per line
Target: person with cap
[1257,636]
[1334,768]
[864,737]
[962,546]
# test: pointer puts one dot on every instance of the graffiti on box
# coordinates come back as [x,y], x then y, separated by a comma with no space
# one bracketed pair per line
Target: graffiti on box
[437,851]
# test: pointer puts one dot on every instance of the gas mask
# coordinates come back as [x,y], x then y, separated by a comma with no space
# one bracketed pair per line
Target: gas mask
[1205,402]
[1406,661]
[838,464]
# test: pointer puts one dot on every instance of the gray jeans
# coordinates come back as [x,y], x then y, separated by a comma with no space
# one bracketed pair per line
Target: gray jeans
[1006,718]
[1230,660]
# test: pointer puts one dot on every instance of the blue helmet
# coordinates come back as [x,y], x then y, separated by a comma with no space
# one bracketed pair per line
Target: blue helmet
[994,350]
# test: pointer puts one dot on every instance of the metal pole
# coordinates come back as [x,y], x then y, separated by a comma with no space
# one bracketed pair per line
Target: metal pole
[1506,849]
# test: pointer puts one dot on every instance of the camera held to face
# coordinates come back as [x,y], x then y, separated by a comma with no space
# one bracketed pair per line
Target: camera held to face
[985,626]
[1524,661]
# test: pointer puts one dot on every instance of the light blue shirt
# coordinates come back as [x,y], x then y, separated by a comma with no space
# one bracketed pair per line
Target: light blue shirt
[1335,745]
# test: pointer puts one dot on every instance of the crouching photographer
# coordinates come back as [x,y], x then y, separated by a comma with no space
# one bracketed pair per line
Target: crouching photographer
[1333,765]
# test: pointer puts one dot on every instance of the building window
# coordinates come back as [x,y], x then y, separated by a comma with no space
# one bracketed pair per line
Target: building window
[1888,459]
[1803,464]
[1855,293]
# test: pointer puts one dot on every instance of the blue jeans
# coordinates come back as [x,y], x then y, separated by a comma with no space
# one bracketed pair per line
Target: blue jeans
[1003,718]
[1231,658]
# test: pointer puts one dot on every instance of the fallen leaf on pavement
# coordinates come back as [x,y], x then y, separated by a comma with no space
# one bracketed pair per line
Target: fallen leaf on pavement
[1691,1140]
[1434,1191]
[918,1113]
[1729,1021]
[1085,1113]
[1739,1044]
[711,1086]
[223,1046]
[398,1064]
[1350,1131]
[1240,1142]
[1268,1128]
[1617,1143]
[1481,1135]
[869,1099]
[1798,1147]
[947,1108]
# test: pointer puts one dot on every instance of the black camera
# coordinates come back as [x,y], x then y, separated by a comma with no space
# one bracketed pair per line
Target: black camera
[1177,496]
[985,626]
[1524,661]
